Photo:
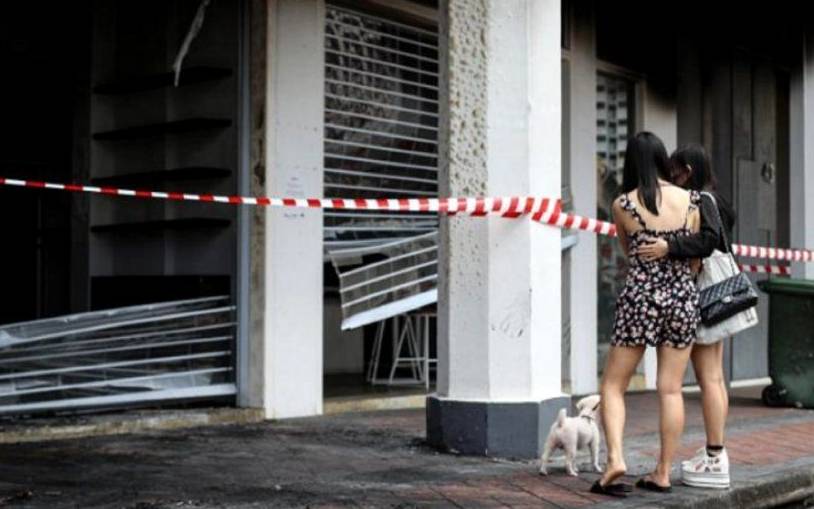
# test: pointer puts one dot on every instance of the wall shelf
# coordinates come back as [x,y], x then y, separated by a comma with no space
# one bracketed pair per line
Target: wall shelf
[148,134]
[191,223]
[189,76]
[163,128]
[147,178]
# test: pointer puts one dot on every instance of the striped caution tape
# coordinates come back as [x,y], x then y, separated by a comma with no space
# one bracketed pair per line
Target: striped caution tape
[575,222]
[507,206]
[543,210]
[772,253]
[780,270]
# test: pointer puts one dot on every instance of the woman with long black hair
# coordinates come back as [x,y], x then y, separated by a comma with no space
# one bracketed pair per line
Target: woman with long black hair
[709,468]
[657,307]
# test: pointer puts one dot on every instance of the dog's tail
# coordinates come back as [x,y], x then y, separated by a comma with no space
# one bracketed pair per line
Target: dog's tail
[561,417]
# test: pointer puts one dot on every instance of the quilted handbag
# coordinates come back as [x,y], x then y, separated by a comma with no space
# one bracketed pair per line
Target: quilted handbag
[726,299]
[732,294]
[717,267]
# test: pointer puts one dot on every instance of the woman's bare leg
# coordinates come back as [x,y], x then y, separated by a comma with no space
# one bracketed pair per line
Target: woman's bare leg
[621,365]
[672,364]
[707,360]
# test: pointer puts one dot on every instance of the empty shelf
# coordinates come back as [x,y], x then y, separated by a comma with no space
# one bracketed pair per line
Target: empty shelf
[191,223]
[146,178]
[189,76]
[172,127]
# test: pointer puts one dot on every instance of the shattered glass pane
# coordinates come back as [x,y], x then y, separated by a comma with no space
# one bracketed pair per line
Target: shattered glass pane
[179,350]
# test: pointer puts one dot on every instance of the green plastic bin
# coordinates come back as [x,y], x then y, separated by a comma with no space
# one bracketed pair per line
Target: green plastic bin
[791,342]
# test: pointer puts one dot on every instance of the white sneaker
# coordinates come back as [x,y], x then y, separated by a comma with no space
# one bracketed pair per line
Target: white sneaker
[705,471]
[700,454]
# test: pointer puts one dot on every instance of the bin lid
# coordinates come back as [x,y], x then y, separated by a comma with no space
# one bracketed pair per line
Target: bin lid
[788,286]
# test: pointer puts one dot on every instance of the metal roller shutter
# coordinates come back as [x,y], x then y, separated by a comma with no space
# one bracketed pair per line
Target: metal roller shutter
[381,140]
[381,124]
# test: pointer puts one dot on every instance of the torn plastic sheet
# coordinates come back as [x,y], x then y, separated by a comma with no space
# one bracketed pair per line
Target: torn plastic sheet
[93,321]
[128,356]
[378,282]
[192,33]
[382,281]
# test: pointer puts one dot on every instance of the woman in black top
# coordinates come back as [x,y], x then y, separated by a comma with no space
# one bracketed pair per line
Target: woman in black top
[691,170]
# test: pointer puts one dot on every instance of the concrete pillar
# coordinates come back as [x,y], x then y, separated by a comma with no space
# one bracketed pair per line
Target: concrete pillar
[801,130]
[292,354]
[499,306]
[582,148]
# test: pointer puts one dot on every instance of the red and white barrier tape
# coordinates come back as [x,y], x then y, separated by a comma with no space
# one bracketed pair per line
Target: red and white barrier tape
[507,207]
[543,210]
[575,222]
[781,270]
[771,253]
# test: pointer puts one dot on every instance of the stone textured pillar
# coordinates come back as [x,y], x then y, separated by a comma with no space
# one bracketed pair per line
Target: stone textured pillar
[499,297]
[801,195]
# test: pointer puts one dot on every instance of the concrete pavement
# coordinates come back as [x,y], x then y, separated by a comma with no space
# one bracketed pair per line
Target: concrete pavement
[379,460]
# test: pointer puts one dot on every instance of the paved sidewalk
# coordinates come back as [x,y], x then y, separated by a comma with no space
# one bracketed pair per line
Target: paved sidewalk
[379,460]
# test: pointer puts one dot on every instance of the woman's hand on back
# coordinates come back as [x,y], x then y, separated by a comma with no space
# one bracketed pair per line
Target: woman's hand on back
[652,249]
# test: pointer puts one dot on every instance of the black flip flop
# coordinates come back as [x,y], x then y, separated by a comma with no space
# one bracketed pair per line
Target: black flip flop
[611,490]
[647,484]
[627,488]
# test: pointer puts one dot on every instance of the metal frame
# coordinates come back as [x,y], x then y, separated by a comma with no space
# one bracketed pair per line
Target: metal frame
[415,332]
[243,269]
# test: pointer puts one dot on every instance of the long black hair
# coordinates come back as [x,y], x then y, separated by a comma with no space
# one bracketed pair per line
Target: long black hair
[645,162]
[702,178]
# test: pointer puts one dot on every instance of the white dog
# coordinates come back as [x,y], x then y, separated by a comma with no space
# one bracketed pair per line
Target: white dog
[574,433]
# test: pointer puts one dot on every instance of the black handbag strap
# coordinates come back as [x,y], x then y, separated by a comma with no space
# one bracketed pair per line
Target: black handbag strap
[723,233]
[721,228]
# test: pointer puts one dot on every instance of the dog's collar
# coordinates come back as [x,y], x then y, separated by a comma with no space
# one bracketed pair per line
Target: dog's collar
[588,417]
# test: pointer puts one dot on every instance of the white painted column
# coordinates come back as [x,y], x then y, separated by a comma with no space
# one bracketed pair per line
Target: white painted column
[582,147]
[292,378]
[801,118]
[499,309]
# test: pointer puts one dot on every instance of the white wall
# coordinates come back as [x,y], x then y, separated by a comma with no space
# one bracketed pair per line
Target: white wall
[582,148]
[801,113]
[661,116]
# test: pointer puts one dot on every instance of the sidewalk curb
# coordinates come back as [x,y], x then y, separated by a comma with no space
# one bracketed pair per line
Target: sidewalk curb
[334,406]
[118,424]
[760,492]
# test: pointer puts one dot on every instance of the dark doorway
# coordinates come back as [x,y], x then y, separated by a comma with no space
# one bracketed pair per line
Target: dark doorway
[735,99]
[757,143]
[44,58]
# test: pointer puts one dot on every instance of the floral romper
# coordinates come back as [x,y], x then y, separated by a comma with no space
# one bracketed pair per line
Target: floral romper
[658,305]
